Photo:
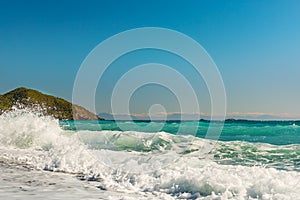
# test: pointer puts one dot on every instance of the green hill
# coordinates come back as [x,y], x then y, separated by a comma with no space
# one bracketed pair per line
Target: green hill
[47,104]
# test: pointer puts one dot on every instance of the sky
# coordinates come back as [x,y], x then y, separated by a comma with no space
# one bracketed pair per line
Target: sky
[255,45]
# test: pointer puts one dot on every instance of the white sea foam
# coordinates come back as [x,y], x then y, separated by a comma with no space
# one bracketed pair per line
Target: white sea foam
[157,166]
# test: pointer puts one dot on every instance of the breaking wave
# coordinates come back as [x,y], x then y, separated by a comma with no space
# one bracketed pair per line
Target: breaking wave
[165,165]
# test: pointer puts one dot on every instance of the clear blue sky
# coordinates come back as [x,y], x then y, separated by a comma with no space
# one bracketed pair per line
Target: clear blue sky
[255,44]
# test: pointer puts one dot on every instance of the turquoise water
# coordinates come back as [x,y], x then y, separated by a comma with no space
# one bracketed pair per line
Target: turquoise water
[271,132]
[272,144]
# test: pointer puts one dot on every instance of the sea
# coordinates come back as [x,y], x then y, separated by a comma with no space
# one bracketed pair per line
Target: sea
[44,158]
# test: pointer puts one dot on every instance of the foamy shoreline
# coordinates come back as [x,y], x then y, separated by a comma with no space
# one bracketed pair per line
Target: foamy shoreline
[20,181]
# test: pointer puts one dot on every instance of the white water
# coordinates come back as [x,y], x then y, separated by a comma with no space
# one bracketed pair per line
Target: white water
[37,141]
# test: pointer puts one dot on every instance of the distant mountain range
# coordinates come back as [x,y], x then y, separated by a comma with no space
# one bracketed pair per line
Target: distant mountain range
[178,116]
[47,104]
[169,117]
[174,116]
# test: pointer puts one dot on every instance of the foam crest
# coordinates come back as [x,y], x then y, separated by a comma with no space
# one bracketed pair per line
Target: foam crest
[24,129]
[39,141]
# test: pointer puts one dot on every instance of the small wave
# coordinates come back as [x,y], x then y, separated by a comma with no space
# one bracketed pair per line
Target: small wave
[294,125]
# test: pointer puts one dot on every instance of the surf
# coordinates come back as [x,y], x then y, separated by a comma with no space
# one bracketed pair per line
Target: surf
[161,164]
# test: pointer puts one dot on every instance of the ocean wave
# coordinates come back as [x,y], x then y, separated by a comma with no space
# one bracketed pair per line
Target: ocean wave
[165,165]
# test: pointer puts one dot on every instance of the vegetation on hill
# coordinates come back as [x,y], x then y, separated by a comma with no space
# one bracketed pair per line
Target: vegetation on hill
[47,104]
